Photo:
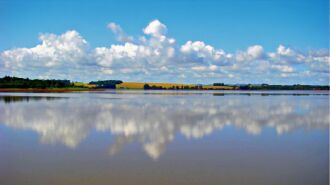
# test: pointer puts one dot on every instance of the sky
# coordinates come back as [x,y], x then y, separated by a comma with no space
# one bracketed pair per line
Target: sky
[191,41]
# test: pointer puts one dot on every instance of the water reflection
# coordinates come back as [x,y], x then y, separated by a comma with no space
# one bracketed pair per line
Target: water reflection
[154,121]
[13,99]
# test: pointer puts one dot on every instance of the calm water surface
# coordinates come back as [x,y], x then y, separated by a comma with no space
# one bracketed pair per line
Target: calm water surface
[164,138]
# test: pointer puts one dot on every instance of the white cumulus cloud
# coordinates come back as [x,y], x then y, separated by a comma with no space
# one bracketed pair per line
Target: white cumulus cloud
[255,51]
[155,28]
[156,56]
[54,50]
[119,33]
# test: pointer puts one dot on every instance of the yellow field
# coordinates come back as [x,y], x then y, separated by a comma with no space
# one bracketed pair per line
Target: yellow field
[80,84]
[218,87]
[140,85]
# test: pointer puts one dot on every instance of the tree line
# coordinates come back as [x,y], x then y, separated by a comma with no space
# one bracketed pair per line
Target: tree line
[283,87]
[181,87]
[111,84]
[15,82]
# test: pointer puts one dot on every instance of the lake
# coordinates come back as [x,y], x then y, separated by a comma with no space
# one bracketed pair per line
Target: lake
[165,138]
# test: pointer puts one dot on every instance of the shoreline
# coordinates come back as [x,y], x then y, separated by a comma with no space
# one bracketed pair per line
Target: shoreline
[66,90]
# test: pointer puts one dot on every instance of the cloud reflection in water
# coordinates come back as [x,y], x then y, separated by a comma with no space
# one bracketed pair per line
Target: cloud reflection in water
[154,121]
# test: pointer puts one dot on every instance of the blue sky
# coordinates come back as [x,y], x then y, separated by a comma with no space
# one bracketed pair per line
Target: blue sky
[231,26]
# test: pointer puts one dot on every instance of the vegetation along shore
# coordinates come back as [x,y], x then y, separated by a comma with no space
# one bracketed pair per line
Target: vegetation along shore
[15,84]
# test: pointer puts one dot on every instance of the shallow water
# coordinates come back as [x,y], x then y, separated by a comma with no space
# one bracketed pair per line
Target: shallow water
[165,137]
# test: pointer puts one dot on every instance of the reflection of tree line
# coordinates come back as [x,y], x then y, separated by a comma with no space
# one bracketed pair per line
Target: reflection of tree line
[154,122]
[12,99]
